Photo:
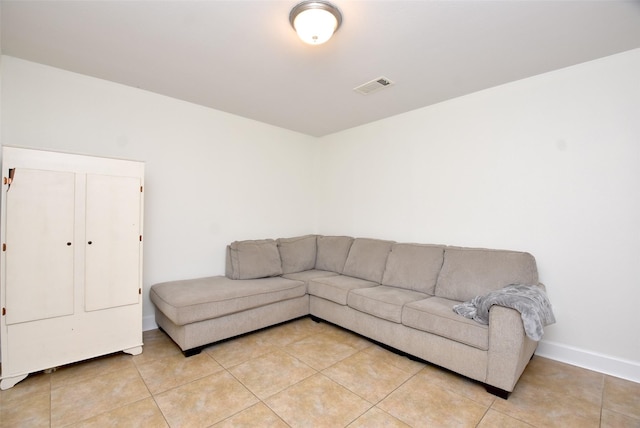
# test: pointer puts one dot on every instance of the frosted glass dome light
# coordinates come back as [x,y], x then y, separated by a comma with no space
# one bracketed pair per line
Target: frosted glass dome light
[315,21]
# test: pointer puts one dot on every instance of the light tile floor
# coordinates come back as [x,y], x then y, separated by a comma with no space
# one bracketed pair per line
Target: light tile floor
[306,374]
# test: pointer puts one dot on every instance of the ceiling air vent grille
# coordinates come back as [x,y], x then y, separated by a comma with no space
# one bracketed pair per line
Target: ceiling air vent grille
[373,86]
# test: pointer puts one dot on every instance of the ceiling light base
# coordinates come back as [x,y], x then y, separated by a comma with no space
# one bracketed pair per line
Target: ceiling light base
[315,21]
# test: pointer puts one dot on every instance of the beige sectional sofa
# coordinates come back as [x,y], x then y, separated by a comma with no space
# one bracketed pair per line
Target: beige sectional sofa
[398,294]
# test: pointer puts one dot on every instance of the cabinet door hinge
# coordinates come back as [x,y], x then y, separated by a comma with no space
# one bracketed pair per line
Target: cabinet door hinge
[8,180]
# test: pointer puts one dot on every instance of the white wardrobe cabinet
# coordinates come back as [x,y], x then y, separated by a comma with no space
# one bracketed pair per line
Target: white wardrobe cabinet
[71,260]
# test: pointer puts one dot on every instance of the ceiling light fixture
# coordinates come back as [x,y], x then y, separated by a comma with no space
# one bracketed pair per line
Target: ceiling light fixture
[315,21]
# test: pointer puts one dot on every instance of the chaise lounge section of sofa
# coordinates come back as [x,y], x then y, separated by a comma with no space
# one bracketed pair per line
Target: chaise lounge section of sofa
[398,294]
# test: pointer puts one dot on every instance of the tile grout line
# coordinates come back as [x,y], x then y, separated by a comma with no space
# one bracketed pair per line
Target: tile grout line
[604,385]
[108,410]
[451,387]
[281,348]
[260,400]
[153,397]
[483,416]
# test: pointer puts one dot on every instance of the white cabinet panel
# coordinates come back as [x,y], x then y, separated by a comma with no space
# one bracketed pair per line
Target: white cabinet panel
[113,239]
[71,260]
[39,264]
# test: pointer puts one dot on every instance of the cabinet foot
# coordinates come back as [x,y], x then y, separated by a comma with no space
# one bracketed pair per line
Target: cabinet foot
[9,382]
[133,351]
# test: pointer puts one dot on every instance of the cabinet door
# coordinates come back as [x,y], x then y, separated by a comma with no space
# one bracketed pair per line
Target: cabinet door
[112,258]
[39,239]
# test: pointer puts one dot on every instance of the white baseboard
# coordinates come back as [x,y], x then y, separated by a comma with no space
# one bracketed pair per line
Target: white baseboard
[149,323]
[606,364]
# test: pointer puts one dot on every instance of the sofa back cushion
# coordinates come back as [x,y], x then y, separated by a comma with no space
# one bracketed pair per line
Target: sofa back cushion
[470,272]
[367,259]
[414,267]
[332,252]
[253,259]
[297,254]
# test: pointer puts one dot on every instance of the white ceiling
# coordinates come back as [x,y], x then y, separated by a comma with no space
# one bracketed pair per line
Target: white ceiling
[243,57]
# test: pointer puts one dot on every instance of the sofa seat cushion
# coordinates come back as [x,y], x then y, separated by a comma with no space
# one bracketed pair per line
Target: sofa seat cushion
[435,315]
[367,259]
[336,288]
[382,301]
[188,301]
[308,275]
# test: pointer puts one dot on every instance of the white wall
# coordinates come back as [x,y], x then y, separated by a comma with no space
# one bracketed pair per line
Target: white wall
[549,165]
[211,177]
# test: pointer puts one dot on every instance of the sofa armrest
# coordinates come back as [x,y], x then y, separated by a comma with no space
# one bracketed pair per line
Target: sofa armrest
[509,348]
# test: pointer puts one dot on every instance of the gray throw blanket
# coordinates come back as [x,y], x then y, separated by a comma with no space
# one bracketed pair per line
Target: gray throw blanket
[530,300]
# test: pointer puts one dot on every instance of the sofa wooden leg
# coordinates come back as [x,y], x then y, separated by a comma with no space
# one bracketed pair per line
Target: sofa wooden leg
[497,392]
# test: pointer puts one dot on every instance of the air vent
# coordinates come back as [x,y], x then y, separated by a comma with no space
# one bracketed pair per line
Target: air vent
[373,86]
